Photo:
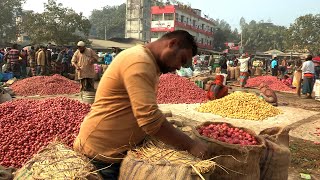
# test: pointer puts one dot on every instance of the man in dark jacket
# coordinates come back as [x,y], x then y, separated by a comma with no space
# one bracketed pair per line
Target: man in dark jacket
[223,63]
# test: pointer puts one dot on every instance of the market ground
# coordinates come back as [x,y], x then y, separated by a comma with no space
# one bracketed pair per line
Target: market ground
[302,115]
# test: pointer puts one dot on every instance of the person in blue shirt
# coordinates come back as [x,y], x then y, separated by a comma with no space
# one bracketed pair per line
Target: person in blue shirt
[1,61]
[108,59]
[274,66]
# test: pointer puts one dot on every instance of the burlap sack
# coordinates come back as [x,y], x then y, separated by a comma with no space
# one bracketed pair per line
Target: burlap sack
[253,71]
[297,79]
[275,161]
[246,168]
[57,161]
[237,72]
[258,71]
[137,169]
[232,73]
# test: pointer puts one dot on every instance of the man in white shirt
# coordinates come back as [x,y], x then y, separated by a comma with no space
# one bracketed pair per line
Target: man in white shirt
[308,76]
[244,75]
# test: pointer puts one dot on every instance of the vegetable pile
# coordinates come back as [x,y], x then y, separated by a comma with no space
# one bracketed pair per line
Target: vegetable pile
[240,105]
[225,133]
[45,85]
[174,89]
[273,82]
[27,125]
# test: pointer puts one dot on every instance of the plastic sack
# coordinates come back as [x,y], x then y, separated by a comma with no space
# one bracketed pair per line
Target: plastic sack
[5,67]
[181,72]
[189,72]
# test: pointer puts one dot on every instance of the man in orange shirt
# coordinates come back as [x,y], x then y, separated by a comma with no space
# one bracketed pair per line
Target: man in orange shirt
[125,110]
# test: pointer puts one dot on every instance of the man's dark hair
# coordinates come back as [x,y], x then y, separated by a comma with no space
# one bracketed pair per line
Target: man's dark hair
[309,57]
[186,40]
[14,46]
[32,47]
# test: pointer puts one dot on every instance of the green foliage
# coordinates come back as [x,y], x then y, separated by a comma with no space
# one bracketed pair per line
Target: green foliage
[56,24]
[8,13]
[223,34]
[304,33]
[110,18]
[262,36]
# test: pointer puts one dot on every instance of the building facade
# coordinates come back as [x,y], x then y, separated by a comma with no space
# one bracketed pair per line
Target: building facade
[174,17]
[138,19]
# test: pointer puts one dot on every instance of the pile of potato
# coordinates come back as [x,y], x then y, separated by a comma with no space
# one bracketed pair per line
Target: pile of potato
[240,105]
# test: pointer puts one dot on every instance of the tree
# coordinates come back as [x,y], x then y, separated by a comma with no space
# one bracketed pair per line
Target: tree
[304,33]
[219,40]
[9,10]
[223,34]
[56,24]
[111,19]
[262,36]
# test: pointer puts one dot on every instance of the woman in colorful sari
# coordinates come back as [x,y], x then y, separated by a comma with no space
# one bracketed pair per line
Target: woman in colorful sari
[308,77]
[217,90]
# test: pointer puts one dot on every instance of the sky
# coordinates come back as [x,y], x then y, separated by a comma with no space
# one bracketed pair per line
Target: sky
[280,12]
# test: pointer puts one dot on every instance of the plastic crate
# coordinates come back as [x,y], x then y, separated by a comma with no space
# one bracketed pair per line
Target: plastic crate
[7,76]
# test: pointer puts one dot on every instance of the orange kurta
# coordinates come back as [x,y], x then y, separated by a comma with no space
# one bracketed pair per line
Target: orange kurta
[125,103]
[82,60]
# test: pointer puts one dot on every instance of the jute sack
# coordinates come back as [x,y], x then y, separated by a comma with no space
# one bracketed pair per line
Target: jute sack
[297,79]
[246,168]
[232,73]
[275,161]
[258,71]
[57,161]
[237,72]
[137,169]
[156,160]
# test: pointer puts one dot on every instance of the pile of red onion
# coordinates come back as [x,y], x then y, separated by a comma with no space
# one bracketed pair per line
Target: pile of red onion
[45,85]
[225,133]
[174,89]
[28,125]
[273,82]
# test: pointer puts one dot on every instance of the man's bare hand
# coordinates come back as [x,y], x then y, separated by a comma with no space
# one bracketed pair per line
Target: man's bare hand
[199,149]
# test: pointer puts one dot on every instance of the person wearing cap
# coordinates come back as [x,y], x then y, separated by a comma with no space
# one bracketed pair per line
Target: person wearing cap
[268,94]
[83,60]
[244,67]
[125,110]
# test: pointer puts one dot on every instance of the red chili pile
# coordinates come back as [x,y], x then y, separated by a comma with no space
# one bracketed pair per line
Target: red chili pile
[174,89]
[225,133]
[45,85]
[273,82]
[27,125]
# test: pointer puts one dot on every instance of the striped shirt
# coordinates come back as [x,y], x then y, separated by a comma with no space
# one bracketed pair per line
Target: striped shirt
[13,56]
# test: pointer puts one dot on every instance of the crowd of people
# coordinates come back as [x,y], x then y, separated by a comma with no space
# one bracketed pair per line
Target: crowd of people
[42,60]
[283,69]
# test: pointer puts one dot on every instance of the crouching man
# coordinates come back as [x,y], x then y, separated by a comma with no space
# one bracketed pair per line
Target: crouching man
[268,94]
